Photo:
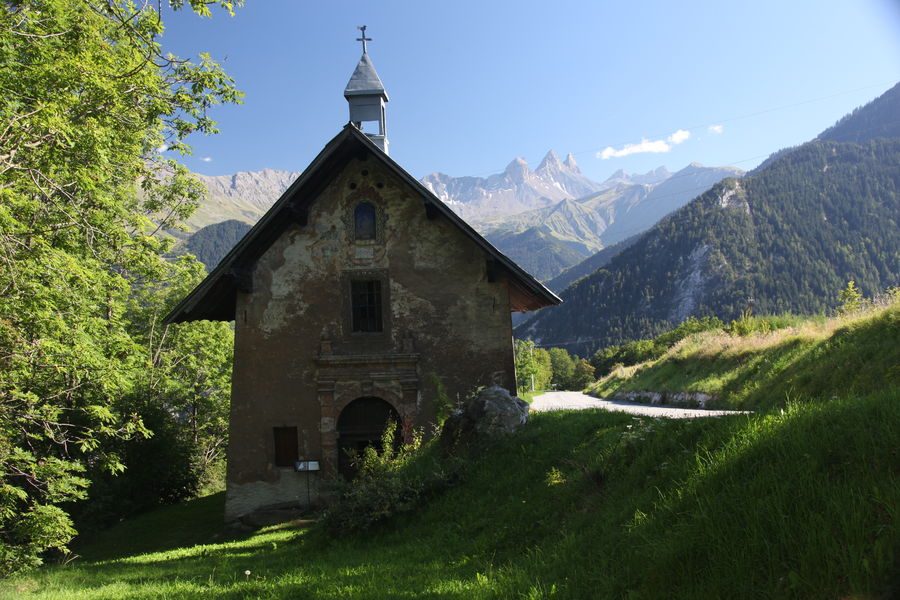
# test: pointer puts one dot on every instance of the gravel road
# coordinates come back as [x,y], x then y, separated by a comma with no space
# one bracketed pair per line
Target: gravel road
[579,401]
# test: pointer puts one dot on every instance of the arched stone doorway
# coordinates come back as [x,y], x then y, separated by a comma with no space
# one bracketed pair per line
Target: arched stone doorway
[361,424]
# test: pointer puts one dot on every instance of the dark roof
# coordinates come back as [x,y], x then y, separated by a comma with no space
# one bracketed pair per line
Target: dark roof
[214,298]
[365,80]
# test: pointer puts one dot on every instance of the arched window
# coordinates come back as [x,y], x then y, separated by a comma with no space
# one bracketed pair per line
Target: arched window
[364,222]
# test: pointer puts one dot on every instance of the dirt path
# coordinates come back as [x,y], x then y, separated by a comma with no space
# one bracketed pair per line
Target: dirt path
[579,401]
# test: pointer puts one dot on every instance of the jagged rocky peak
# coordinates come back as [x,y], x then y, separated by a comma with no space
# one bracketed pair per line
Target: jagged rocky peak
[516,189]
[571,164]
[517,170]
[550,162]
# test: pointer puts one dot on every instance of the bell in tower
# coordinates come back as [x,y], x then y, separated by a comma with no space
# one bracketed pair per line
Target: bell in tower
[367,97]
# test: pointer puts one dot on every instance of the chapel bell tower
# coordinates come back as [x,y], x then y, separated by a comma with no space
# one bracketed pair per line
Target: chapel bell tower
[367,97]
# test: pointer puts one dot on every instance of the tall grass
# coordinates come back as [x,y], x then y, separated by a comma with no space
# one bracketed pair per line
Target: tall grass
[814,357]
[802,502]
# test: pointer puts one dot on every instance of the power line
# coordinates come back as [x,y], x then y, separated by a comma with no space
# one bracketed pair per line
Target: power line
[702,189]
[589,340]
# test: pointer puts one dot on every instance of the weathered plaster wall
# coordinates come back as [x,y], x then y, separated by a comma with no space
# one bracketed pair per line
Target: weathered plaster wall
[442,309]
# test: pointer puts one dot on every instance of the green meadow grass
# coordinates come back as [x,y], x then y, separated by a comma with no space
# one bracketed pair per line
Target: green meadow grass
[797,503]
[816,358]
[529,396]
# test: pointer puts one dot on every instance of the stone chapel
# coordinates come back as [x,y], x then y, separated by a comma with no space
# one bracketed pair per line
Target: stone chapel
[355,299]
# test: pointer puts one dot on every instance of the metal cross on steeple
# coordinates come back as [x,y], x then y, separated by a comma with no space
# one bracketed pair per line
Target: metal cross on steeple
[363,39]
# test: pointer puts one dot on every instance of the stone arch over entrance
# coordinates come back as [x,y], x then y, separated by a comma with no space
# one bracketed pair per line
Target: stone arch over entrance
[360,425]
[344,379]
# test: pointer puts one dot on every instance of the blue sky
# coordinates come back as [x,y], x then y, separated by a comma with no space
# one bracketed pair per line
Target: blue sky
[474,84]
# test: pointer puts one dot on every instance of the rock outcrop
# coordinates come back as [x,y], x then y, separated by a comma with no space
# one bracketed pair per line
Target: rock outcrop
[492,412]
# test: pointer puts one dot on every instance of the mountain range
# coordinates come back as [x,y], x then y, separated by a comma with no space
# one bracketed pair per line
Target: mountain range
[787,237]
[515,190]
[244,196]
[547,220]
[546,241]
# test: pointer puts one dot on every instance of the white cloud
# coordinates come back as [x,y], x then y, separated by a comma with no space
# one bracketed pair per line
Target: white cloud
[206,159]
[646,146]
[717,129]
[679,136]
[162,148]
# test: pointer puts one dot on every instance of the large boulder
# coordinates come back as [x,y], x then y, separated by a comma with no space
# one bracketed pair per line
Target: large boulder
[492,412]
[495,411]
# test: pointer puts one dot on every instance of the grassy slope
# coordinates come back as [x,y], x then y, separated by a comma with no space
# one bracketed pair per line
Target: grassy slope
[856,354]
[803,502]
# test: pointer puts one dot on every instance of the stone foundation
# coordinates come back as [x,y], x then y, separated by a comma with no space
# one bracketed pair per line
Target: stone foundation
[288,491]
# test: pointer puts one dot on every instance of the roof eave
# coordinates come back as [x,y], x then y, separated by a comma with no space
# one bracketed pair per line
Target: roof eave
[182,310]
[369,92]
[221,280]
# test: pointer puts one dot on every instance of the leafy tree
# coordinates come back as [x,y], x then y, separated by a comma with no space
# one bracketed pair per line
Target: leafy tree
[88,98]
[563,367]
[582,374]
[851,298]
[533,367]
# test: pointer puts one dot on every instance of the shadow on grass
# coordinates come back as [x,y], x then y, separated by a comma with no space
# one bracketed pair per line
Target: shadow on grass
[198,521]
[450,548]
[801,504]
[587,504]
[861,358]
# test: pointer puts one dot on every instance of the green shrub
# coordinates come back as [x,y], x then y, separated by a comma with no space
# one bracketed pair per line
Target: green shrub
[688,327]
[630,353]
[851,298]
[443,404]
[749,324]
[387,483]
[160,469]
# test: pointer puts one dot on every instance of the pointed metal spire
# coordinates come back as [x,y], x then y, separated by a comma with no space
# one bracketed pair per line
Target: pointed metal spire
[366,96]
[365,81]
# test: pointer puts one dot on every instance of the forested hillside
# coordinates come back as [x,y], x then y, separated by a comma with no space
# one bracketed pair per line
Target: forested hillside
[786,238]
[880,118]
[211,243]
[590,264]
